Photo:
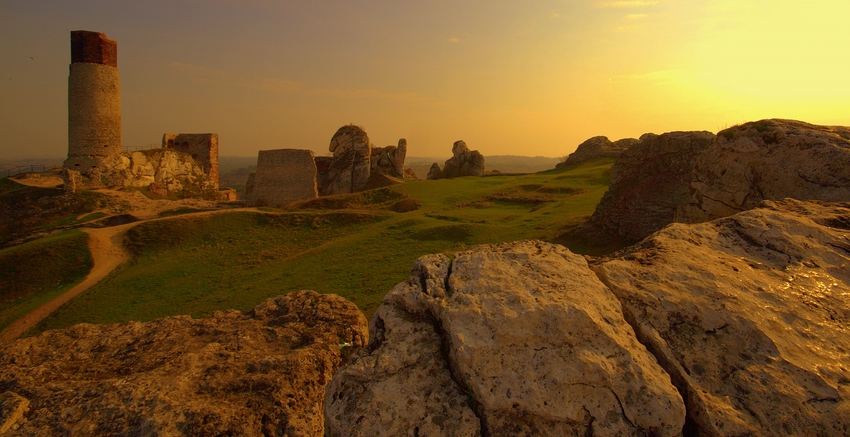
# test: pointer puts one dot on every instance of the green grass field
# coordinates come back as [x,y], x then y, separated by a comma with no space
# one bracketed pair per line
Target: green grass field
[37,271]
[352,245]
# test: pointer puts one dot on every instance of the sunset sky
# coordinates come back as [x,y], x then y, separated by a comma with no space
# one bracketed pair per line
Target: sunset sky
[522,77]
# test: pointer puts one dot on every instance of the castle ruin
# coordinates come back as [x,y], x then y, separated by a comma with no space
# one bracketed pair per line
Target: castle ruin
[283,176]
[94,102]
[185,166]
[288,175]
[202,147]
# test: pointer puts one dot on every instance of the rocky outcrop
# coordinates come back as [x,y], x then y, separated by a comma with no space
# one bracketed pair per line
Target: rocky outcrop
[649,182]
[250,374]
[390,160]
[410,174]
[160,171]
[598,147]
[749,314]
[434,172]
[464,162]
[769,160]
[350,168]
[510,339]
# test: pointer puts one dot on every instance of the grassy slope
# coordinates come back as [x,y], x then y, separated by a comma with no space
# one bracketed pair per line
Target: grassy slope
[37,271]
[196,265]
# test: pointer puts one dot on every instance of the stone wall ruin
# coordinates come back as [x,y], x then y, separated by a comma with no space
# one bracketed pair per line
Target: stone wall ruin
[283,176]
[202,147]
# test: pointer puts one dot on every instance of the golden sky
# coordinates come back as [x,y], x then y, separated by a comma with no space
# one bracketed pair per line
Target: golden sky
[524,77]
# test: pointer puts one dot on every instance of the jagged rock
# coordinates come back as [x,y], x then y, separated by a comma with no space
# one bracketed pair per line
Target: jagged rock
[464,162]
[410,174]
[390,160]
[769,159]
[323,166]
[750,316]
[434,172]
[250,374]
[350,168]
[524,330]
[598,147]
[649,182]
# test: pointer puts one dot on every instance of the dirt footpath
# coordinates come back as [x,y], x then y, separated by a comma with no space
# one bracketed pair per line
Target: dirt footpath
[107,252]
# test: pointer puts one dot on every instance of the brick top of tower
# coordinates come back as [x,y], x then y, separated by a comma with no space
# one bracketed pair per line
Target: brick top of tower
[93,48]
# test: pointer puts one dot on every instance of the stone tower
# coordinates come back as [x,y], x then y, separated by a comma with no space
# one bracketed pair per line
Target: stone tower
[94,102]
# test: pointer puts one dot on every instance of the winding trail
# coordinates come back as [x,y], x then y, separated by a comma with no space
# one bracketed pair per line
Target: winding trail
[107,250]
[107,254]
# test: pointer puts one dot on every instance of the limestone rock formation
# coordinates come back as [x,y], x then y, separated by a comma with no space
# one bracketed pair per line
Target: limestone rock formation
[390,160]
[750,316]
[649,182]
[250,374]
[598,147]
[522,335]
[166,171]
[323,166]
[350,168]
[769,159]
[410,174]
[434,172]
[464,162]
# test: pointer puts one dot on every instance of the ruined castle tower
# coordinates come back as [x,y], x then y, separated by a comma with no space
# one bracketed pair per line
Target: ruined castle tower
[94,102]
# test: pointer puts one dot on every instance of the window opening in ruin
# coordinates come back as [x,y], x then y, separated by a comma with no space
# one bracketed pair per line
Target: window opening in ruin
[106,145]
[76,165]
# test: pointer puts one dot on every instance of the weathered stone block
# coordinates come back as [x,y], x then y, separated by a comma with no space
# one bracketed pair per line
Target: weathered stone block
[284,176]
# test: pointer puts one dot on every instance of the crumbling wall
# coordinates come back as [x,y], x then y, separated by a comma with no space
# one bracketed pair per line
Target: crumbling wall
[94,102]
[284,176]
[202,147]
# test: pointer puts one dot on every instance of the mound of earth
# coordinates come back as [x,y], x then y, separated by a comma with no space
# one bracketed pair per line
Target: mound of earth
[250,374]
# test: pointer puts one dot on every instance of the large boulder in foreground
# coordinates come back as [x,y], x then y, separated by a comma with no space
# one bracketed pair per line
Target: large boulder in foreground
[249,374]
[510,339]
[649,182]
[351,165]
[769,160]
[750,315]
[598,147]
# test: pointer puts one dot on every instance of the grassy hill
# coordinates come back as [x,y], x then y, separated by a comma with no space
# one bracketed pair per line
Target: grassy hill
[354,245]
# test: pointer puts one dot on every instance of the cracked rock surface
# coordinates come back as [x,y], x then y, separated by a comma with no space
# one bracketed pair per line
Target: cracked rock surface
[769,160]
[750,315]
[249,374]
[509,339]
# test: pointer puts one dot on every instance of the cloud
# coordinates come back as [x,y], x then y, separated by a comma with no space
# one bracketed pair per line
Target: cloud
[204,75]
[627,4]
[454,40]
[635,17]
